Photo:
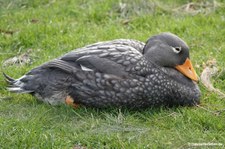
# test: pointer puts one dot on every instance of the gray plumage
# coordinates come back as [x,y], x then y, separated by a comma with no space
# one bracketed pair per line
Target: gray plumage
[114,73]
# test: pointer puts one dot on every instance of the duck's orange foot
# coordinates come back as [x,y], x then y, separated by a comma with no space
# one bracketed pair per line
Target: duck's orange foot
[69,101]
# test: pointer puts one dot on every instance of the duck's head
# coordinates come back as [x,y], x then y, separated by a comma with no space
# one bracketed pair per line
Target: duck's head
[168,50]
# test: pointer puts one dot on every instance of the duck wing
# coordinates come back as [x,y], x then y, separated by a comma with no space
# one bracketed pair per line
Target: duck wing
[114,58]
[108,57]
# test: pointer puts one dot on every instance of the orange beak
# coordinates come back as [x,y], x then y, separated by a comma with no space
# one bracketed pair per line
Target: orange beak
[187,70]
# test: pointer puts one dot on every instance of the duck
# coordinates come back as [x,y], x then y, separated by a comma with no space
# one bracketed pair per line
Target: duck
[117,73]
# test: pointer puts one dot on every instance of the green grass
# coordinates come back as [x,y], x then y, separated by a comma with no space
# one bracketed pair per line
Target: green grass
[51,28]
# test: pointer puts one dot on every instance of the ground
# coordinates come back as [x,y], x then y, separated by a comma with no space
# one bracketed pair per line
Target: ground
[33,32]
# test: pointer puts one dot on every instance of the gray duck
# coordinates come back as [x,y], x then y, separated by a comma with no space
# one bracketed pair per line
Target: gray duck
[117,73]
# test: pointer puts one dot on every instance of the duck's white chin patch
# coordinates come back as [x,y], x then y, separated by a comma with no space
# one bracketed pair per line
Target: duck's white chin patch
[85,68]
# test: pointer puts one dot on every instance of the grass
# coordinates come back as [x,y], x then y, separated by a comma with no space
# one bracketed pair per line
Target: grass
[50,28]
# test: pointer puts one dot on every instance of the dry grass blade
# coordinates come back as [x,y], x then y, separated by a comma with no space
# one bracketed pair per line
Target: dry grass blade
[198,7]
[136,7]
[21,59]
[209,71]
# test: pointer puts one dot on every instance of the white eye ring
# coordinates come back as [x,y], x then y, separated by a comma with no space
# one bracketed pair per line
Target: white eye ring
[176,49]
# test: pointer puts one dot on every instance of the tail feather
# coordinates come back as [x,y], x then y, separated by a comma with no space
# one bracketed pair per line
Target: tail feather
[8,79]
[15,85]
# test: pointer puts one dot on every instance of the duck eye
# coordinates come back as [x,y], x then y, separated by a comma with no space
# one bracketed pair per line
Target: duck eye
[176,49]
